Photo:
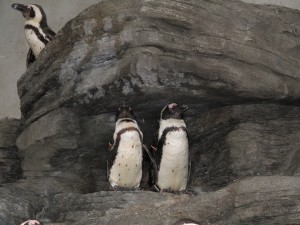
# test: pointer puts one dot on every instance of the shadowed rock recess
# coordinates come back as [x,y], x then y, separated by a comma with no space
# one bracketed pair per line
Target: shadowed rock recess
[237,67]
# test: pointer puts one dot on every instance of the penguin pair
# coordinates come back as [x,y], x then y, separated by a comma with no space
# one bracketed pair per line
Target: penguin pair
[38,33]
[169,158]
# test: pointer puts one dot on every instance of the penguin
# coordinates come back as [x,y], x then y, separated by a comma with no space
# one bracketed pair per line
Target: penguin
[31,222]
[186,222]
[37,32]
[125,155]
[171,150]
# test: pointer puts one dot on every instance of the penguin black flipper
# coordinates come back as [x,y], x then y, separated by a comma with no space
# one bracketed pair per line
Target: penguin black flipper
[112,153]
[152,160]
[30,58]
[153,166]
[49,33]
[157,158]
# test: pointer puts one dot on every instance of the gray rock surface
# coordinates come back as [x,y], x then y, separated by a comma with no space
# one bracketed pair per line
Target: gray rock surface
[17,205]
[10,168]
[140,50]
[237,67]
[245,140]
[258,200]
[53,159]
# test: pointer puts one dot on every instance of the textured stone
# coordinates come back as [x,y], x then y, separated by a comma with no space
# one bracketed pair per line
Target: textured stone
[8,132]
[10,163]
[138,51]
[259,200]
[17,206]
[246,140]
[48,147]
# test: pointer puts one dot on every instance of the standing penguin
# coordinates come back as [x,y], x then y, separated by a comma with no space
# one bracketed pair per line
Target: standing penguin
[125,156]
[172,150]
[37,32]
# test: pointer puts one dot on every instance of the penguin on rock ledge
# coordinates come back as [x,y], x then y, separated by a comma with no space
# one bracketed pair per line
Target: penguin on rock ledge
[37,32]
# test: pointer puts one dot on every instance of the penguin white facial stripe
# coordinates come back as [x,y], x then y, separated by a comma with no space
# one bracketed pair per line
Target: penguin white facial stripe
[38,14]
[161,113]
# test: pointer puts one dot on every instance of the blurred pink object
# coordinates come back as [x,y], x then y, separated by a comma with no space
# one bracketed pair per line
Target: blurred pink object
[31,222]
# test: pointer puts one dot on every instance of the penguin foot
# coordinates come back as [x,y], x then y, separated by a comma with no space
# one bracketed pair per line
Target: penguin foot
[118,188]
[189,192]
[186,191]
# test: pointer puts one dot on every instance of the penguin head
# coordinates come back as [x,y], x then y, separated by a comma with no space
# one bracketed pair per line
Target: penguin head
[173,111]
[31,222]
[186,222]
[31,12]
[125,111]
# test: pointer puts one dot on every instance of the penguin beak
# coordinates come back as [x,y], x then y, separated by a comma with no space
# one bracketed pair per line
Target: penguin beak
[20,7]
[26,11]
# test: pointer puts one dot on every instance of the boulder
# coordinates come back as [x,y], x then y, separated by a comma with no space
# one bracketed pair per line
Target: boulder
[10,163]
[143,52]
[233,142]
[17,206]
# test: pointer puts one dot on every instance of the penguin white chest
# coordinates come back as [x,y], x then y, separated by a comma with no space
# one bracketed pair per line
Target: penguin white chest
[127,168]
[34,41]
[173,171]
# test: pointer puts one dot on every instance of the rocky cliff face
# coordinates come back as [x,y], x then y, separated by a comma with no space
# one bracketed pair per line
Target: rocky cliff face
[234,64]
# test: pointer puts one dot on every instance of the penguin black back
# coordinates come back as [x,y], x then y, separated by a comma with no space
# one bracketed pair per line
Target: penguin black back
[124,168]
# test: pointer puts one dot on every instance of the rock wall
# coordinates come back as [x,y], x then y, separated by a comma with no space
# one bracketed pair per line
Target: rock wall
[237,67]
[10,168]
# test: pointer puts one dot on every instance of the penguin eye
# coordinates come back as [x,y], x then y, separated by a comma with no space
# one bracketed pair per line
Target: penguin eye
[28,7]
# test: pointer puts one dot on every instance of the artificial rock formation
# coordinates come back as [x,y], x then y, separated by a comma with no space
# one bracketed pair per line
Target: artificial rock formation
[237,67]
[10,168]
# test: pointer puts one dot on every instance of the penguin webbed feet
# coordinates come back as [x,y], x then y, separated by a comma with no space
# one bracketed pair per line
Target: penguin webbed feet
[185,191]
[188,192]
[119,188]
